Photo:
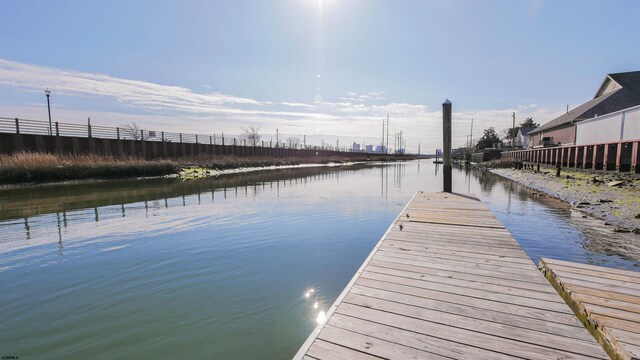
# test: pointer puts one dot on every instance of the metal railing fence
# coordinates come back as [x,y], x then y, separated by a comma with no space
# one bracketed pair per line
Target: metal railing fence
[39,127]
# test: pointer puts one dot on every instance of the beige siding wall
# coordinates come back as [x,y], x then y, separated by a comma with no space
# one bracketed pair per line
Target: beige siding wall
[564,135]
[618,126]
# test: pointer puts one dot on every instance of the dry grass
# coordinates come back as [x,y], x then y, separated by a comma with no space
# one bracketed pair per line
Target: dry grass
[27,167]
[33,160]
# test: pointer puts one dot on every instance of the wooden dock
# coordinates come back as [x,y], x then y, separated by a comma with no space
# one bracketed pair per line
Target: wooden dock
[607,301]
[447,280]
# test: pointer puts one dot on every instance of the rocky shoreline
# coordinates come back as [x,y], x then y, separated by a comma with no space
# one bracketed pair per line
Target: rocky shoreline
[611,197]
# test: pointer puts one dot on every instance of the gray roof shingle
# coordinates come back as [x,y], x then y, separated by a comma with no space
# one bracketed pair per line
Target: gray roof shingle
[626,96]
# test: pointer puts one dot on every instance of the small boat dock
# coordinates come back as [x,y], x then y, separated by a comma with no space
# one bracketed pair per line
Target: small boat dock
[448,281]
[607,302]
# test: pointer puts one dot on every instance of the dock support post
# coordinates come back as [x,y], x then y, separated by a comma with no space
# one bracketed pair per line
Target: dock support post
[618,156]
[634,157]
[446,145]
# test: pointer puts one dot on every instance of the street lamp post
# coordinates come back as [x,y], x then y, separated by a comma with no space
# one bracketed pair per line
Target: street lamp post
[48,93]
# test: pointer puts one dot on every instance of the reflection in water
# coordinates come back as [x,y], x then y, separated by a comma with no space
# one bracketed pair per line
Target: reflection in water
[27,229]
[239,266]
[37,205]
[547,227]
[45,199]
[134,196]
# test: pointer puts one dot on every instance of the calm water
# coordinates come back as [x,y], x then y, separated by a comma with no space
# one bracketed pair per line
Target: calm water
[219,268]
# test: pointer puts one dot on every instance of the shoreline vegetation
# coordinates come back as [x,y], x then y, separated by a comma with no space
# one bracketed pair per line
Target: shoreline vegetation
[27,167]
[609,196]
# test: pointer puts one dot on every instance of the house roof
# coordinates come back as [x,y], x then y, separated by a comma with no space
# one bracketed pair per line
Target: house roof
[617,92]
[525,130]
[628,80]
[512,131]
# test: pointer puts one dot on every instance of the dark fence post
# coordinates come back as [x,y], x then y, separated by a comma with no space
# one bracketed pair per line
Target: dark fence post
[446,142]
[210,140]
[180,138]
[17,126]
[141,134]
[196,138]
[118,133]
[162,134]
[89,127]
[57,129]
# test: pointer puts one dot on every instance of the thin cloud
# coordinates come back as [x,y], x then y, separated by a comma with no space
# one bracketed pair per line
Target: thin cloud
[372,95]
[135,92]
[297,104]
[157,106]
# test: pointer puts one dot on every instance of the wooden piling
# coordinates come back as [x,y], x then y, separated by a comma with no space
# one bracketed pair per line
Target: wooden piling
[446,145]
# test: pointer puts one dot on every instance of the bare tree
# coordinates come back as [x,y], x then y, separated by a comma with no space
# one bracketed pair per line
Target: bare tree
[251,135]
[133,131]
[293,142]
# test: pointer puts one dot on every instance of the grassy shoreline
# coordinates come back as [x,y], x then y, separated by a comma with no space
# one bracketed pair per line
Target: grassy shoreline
[27,167]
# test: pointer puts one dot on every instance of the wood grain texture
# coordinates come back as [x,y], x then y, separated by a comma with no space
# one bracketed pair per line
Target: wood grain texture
[606,300]
[451,283]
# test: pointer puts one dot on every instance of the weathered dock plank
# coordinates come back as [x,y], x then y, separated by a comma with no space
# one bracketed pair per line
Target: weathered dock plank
[447,280]
[607,301]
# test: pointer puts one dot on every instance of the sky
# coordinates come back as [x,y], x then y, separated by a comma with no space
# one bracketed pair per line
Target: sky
[324,69]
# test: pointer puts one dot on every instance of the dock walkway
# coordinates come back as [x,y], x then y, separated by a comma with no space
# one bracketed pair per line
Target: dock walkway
[607,301]
[447,280]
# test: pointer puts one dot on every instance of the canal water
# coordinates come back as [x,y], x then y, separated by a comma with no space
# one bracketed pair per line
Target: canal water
[235,267]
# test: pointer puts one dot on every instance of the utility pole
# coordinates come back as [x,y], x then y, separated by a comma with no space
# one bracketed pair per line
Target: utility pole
[395,142]
[418,149]
[387,149]
[513,130]
[471,136]
[382,142]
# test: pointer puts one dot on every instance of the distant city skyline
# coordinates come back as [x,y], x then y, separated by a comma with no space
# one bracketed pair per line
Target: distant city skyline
[327,69]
